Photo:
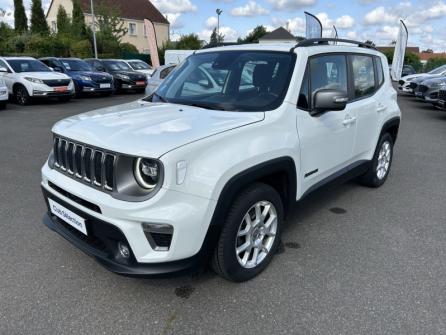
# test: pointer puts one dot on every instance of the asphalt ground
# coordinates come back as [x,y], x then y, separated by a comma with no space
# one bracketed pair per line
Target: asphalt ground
[354,260]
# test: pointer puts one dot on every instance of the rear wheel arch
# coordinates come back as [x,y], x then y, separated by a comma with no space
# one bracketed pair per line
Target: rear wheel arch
[392,127]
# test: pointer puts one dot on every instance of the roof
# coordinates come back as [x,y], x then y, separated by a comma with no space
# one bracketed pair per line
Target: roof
[431,55]
[414,50]
[278,34]
[18,57]
[128,9]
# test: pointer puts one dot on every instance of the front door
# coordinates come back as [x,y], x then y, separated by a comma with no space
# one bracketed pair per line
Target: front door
[327,139]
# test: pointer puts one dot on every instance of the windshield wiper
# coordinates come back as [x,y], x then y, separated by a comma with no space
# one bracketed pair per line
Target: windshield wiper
[214,107]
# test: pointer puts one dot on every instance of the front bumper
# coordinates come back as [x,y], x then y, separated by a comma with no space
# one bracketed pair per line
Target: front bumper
[44,91]
[4,94]
[93,87]
[189,215]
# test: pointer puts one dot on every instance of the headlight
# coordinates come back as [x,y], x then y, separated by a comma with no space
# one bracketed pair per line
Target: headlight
[147,173]
[123,76]
[34,80]
[84,78]
[439,84]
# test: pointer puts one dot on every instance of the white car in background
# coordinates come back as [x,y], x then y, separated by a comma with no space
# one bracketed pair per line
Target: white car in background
[27,78]
[140,66]
[3,94]
[158,76]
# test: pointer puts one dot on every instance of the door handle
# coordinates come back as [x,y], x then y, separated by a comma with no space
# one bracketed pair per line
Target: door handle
[381,108]
[348,120]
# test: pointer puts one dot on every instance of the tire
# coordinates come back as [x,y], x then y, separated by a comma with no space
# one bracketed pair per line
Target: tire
[64,99]
[377,174]
[21,95]
[226,261]
[105,94]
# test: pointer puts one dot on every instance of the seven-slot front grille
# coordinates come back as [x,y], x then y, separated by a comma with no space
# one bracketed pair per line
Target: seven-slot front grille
[413,85]
[88,164]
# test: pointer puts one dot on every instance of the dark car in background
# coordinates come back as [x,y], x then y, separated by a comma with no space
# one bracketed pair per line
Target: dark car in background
[428,90]
[86,80]
[124,77]
[408,70]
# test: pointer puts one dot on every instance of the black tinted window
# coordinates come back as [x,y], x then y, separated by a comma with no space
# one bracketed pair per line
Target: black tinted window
[363,75]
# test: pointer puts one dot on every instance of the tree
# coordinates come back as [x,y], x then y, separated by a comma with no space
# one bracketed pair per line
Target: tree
[78,28]
[108,22]
[38,21]
[254,36]
[215,38]
[20,19]
[189,42]
[63,22]
[370,42]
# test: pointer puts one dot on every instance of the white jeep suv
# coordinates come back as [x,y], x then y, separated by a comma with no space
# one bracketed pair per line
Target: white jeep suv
[28,78]
[168,183]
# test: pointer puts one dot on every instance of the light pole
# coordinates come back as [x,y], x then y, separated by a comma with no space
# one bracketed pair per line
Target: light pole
[94,30]
[218,11]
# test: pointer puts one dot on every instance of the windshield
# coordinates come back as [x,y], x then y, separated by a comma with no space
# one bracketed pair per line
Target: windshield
[139,65]
[28,65]
[230,80]
[438,70]
[76,65]
[116,65]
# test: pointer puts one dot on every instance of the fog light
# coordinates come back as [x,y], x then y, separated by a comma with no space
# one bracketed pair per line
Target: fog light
[124,250]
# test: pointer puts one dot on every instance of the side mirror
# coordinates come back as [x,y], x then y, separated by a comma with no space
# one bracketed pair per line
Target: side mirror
[204,83]
[327,100]
[100,69]
[57,69]
[3,69]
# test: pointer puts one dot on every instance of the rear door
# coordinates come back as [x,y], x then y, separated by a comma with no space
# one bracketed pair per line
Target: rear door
[326,139]
[367,101]
[7,76]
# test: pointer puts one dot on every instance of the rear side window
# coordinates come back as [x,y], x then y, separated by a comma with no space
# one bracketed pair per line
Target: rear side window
[379,71]
[363,75]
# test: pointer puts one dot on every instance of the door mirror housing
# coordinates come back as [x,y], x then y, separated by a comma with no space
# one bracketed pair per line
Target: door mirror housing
[327,100]
[100,68]
[3,69]
[204,83]
[57,69]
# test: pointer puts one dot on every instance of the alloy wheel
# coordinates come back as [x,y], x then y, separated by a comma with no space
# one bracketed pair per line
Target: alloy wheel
[256,234]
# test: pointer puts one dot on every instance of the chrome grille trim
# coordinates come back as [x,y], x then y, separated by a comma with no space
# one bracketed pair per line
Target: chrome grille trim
[84,163]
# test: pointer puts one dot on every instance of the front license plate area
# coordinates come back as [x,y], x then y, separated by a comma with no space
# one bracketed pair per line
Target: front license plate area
[68,216]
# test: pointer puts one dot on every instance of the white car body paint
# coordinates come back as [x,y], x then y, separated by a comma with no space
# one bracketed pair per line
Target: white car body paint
[216,146]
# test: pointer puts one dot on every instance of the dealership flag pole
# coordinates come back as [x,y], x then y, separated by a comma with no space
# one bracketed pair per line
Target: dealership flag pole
[400,51]
[94,31]
[313,26]
[153,46]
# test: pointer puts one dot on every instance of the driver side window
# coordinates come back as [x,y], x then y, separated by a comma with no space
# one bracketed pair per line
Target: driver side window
[323,72]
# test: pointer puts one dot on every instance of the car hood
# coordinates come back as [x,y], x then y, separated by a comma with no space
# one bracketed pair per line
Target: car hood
[88,73]
[43,75]
[432,81]
[150,129]
[425,77]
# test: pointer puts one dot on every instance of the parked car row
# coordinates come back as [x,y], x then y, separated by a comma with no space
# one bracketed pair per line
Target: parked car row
[27,78]
[429,87]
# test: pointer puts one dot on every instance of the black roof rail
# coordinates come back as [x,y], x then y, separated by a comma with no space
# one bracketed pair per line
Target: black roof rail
[324,41]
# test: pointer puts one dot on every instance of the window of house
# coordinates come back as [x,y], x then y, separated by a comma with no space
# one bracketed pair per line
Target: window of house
[54,26]
[132,28]
[145,30]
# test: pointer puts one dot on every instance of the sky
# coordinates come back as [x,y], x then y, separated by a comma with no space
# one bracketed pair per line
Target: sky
[375,20]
